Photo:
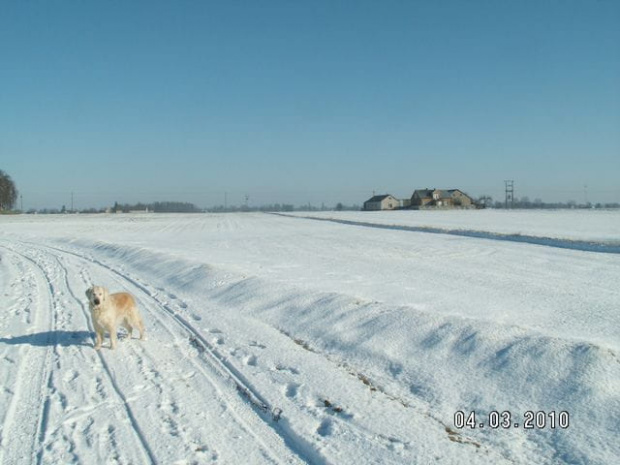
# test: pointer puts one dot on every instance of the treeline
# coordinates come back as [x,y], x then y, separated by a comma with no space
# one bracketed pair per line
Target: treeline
[245,208]
[538,204]
[278,207]
[157,207]
[185,207]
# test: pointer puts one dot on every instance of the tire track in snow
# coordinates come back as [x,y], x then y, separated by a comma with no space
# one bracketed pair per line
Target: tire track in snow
[195,337]
[26,417]
[297,446]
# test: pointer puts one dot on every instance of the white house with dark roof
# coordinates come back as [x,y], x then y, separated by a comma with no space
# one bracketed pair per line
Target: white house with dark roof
[382,202]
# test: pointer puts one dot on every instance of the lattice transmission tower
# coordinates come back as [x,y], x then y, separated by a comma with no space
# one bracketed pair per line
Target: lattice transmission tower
[510,193]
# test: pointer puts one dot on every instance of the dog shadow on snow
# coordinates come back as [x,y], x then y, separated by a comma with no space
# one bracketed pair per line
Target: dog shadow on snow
[52,338]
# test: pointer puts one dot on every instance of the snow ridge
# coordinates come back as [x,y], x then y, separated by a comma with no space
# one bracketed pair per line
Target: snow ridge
[612,247]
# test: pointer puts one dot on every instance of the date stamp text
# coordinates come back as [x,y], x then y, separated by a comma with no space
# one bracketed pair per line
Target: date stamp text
[507,420]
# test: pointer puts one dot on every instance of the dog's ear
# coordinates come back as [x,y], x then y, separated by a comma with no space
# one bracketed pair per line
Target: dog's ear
[104,294]
[89,292]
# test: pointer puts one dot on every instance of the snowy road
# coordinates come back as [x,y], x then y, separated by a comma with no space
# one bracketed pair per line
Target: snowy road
[269,343]
[134,406]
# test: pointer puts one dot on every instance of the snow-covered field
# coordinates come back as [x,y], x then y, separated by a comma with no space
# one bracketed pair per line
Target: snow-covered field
[285,339]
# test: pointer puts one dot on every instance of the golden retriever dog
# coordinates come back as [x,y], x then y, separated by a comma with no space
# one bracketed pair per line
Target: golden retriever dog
[108,311]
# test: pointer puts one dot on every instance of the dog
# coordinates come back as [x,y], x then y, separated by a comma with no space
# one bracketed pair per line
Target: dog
[108,311]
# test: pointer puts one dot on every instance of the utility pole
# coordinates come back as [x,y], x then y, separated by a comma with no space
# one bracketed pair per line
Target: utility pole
[510,192]
[71,202]
[21,202]
[225,200]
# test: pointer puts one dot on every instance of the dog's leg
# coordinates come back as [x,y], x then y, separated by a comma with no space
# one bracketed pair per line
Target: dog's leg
[113,337]
[98,337]
[141,329]
[129,329]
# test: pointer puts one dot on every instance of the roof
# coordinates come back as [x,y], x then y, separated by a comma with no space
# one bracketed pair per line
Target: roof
[423,193]
[444,193]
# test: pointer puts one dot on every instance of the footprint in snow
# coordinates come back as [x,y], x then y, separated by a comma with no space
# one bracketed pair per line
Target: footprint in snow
[70,376]
[169,426]
[325,428]
[204,450]
[291,390]
[291,370]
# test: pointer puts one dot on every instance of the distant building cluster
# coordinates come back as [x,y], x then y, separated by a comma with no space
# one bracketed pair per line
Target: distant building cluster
[422,199]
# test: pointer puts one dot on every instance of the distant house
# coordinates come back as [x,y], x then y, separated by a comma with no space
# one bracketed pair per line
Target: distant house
[461,199]
[441,198]
[382,202]
[421,197]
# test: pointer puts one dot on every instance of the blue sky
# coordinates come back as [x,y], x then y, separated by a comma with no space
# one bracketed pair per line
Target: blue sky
[297,102]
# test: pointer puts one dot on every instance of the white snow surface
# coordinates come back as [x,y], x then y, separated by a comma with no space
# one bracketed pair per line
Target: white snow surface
[285,339]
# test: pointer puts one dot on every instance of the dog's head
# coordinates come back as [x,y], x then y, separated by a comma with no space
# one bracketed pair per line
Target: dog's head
[96,295]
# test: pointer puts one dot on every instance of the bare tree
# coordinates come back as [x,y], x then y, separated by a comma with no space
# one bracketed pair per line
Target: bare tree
[485,201]
[8,192]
